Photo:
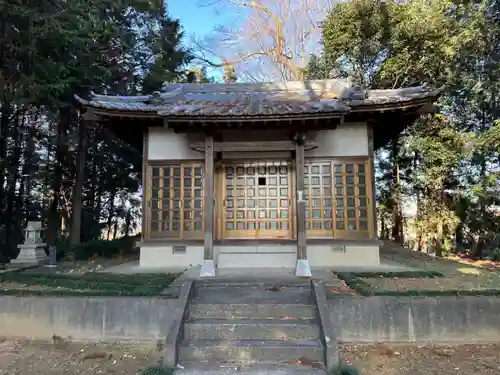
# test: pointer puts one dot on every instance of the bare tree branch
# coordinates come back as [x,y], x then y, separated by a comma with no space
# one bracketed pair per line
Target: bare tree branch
[271,39]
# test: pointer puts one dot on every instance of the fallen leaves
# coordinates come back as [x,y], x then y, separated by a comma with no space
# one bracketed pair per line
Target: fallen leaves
[304,361]
[97,355]
[385,359]
[386,350]
[42,357]
[341,290]
[274,288]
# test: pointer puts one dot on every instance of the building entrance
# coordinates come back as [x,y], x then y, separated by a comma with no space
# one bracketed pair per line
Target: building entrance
[257,200]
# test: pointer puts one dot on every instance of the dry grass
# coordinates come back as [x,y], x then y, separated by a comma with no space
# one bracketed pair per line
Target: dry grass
[459,274]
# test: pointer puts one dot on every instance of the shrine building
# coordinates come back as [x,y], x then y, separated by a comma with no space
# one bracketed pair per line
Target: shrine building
[259,175]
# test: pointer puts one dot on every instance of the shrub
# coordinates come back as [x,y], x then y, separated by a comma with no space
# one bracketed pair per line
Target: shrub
[100,248]
[345,369]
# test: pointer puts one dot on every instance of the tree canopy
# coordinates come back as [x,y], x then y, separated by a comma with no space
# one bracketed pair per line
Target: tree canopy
[446,164]
[50,51]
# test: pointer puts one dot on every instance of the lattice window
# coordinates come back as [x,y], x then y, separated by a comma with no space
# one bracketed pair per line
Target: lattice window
[176,202]
[318,195]
[351,198]
[336,198]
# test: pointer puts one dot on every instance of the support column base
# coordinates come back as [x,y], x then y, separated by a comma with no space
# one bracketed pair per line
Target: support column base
[207,268]
[302,268]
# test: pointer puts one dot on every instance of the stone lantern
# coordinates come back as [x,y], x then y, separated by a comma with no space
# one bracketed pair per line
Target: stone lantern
[32,251]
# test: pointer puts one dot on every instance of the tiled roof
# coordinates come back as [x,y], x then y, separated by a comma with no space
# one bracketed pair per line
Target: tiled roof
[240,99]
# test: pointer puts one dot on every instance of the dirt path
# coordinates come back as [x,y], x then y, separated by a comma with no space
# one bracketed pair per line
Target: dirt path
[423,360]
[63,358]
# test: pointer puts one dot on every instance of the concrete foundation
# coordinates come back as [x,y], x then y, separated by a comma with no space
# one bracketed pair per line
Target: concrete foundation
[263,255]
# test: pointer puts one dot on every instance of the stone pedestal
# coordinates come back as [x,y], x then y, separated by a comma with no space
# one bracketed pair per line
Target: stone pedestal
[33,249]
[30,254]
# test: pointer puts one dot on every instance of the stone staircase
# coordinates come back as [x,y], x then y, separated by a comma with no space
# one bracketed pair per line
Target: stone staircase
[251,328]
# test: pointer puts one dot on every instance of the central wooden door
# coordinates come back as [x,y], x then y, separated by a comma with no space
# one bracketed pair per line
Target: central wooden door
[257,200]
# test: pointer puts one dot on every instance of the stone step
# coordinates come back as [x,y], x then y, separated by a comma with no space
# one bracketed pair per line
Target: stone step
[251,329]
[251,369]
[253,294]
[252,282]
[251,311]
[249,351]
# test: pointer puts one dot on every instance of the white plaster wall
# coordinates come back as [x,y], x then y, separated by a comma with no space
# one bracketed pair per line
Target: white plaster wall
[349,139]
[238,135]
[246,256]
[164,144]
[249,155]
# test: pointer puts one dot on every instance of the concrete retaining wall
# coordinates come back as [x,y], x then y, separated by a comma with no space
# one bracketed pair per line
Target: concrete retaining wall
[356,319]
[89,319]
[410,319]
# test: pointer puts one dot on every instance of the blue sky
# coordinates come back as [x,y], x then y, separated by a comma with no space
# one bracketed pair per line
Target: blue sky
[197,21]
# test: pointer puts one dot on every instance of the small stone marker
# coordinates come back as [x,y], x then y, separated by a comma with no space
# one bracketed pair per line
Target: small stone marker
[52,257]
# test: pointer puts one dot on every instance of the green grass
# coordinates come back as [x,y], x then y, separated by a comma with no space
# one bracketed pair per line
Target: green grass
[400,274]
[157,371]
[355,281]
[90,284]
[345,369]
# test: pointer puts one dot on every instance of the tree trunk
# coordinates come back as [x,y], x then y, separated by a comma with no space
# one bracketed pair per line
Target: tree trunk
[14,173]
[439,241]
[76,205]
[4,130]
[128,220]
[111,214]
[115,229]
[53,216]
[397,214]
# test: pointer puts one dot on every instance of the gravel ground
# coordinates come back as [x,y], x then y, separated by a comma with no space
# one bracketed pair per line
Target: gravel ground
[423,360]
[64,358]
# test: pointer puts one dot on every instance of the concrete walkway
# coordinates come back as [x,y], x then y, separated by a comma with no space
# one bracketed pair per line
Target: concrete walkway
[193,273]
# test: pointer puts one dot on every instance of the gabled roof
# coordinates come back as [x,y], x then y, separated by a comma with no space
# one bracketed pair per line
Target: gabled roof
[239,100]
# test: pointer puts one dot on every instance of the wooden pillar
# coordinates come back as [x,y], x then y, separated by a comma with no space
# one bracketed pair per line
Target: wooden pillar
[302,268]
[146,216]
[208,266]
[372,198]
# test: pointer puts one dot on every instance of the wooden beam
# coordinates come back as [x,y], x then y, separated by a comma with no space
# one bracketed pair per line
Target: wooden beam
[254,146]
[302,268]
[208,268]
[232,120]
